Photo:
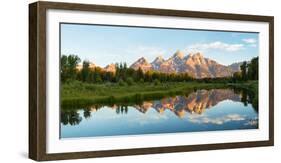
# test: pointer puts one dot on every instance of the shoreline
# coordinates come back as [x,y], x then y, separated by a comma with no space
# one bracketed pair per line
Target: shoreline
[113,94]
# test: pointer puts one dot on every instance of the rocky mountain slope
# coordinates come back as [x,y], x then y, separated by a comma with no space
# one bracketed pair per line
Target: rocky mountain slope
[195,64]
[235,66]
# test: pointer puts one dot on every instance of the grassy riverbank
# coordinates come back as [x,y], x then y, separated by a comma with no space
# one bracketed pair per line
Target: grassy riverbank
[79,93]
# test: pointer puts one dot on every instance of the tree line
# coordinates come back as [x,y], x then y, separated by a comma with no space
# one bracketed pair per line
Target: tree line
[248,71]
[125,75]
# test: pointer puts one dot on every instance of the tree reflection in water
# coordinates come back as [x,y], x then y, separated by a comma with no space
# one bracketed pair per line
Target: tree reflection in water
[70,117]
[194,103]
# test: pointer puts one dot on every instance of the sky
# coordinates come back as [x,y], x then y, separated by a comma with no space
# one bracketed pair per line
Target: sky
[104,45]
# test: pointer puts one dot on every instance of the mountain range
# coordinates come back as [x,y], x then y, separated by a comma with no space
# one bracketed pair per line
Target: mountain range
[195,64]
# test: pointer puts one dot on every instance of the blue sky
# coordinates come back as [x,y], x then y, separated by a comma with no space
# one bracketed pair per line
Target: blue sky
[110,44]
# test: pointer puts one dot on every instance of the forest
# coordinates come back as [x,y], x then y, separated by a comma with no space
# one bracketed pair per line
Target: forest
[90,85]
[125,75]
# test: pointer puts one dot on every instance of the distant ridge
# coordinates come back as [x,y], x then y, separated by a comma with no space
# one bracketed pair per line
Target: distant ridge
[195,64]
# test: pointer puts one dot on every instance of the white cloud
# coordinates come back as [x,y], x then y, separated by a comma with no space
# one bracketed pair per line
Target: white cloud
[252,123]
[217,45]
[249,40]
[253,45]
[218,121]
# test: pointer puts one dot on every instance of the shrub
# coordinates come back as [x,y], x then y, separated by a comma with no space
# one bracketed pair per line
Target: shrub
[130,81]
[108,84]
[141,81]
[121,83]
[156,82]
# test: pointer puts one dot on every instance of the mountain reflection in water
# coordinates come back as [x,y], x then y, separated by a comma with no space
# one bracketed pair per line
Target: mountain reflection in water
[196,102]
[205,109]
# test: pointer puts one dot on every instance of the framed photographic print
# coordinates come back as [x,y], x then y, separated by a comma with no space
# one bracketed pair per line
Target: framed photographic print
[111,81]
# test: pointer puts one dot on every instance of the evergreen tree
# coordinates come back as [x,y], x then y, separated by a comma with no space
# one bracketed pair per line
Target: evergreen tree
[85,72]
[243,68]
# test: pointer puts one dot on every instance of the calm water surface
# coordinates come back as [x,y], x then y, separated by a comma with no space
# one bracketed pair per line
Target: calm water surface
[201,110]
